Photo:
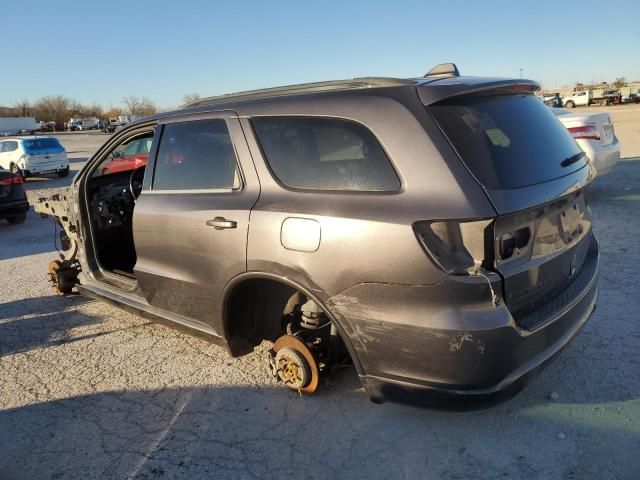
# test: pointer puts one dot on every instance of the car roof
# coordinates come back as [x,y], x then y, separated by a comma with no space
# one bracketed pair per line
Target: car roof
[432,89]
[366,83]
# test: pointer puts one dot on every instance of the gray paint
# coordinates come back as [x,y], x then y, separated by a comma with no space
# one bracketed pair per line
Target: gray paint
[404,320]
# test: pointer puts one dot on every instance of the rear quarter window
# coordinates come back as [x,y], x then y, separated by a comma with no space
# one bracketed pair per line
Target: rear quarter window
[324,154]
[508,141]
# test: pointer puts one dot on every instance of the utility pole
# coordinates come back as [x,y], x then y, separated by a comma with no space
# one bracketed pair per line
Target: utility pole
[521,72]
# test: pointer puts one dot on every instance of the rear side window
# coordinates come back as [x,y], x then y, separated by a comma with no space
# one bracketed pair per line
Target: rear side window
[42,145]
[196,155]
[9,146]
[324,154]
[508,141]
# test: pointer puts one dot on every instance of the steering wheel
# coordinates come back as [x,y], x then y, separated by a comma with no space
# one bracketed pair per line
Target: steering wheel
[135,182]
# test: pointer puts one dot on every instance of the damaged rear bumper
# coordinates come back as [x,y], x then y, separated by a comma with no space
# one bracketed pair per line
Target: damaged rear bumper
[460,348]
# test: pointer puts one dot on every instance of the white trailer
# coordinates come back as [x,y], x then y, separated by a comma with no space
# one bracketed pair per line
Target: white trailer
[16,125]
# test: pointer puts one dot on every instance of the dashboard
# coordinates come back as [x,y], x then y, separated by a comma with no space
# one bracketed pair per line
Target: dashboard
[112,198]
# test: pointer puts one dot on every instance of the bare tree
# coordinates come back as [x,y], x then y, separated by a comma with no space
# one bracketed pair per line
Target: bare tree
[620,82]
[54,107]
[139,106]
[190,97]
[93,110]
[23,106]
[113,112]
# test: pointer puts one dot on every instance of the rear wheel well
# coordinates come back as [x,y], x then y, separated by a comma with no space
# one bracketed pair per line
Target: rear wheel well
[254,311]
[260,309]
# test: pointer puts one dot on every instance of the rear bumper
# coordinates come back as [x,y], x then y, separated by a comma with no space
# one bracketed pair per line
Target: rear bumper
[423,345]
[41,170]
[604,157]
[11,209]
[43,167]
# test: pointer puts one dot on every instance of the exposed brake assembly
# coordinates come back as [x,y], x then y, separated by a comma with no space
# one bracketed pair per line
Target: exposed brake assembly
[63,273]
[308,350]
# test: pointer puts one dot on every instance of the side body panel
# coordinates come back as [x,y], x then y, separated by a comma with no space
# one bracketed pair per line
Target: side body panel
[183,262]
[364,237]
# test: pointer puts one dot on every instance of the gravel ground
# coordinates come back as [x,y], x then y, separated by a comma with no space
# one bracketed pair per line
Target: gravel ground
[90,391]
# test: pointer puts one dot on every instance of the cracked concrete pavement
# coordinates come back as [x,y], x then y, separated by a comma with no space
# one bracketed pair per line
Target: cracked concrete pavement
[91,391]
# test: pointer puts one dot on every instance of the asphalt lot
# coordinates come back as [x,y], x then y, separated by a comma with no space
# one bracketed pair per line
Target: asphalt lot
[90,391]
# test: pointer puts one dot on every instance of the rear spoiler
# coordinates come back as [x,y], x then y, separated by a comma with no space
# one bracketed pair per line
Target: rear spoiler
[434,90]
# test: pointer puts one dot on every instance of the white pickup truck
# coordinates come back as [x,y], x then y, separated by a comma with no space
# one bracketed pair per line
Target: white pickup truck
[586,98]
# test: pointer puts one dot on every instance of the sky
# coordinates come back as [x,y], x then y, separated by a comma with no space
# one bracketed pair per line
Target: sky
[102,51]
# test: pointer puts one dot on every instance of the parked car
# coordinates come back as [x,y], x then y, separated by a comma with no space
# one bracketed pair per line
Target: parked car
[434,231]
[13,199]
[34,155]
[611,97]
[127,157]
[116,123]
[48,126]
[595,134]
[74,124]
[89,123]
[552,100]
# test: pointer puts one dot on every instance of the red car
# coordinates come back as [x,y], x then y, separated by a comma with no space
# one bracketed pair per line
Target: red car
[134,155]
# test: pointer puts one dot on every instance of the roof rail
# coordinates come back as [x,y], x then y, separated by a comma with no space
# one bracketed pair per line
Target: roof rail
[334,85]
[443,70]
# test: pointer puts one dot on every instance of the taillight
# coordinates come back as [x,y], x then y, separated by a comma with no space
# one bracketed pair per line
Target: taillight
[457,247]
[14,180]
[587,132]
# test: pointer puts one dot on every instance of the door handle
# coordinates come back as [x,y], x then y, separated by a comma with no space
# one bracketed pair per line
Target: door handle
[220,223]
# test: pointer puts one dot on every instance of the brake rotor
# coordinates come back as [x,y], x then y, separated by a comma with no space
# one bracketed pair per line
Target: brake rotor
[52,272]
[61,277]
[296,366]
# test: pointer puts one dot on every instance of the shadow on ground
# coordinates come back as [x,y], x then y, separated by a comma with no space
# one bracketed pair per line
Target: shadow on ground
[36,235]
[249,432]
[233,430]
[41,322]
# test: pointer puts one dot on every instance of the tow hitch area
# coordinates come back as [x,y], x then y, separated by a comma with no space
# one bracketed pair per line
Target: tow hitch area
[63,273]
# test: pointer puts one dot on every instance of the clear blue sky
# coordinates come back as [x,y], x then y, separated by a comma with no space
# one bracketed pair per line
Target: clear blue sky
[95,50]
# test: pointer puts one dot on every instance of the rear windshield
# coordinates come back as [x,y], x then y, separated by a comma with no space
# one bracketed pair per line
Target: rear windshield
[39,145]
[508,141]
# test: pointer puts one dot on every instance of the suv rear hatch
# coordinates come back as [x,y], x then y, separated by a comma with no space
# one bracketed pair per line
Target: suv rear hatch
[534,173]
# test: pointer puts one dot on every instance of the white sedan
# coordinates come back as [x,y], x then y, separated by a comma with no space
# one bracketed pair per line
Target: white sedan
[34,156]
[595,134]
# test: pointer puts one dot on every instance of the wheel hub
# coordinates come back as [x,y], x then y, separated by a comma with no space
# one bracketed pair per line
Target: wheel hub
[292,368]
[295,365]
[62,276]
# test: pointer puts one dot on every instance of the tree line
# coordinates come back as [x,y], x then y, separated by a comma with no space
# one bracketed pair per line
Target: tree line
[60,109]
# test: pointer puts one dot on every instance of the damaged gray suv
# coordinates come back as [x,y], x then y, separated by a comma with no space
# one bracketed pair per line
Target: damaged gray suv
[432,231]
